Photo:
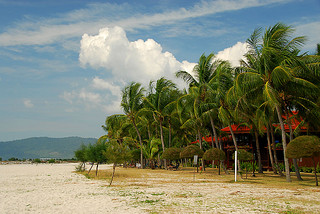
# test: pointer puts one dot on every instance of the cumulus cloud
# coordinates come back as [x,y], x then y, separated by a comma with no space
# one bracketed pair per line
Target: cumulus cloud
[234,54]
[139,60]
[27,103]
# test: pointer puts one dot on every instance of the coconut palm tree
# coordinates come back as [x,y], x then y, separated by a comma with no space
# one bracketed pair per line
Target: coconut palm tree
[160,101]
[267,72]
[132,98]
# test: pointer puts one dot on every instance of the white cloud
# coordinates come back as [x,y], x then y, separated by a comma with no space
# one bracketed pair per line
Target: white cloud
[27,103]
[139,61]
[312,30]
[40,31]
[100,101]
[82,96]
[234,53]
[101,84]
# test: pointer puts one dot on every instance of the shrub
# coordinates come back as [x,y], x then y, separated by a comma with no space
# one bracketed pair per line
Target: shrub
[171,153]
[243,155]
[52,161]
[190,151]
[304,147]
[214,154]
[37,160]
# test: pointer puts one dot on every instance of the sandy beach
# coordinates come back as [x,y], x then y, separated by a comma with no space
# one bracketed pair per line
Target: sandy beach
[46,188]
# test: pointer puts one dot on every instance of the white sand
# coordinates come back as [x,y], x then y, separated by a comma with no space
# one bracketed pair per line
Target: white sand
[46,188]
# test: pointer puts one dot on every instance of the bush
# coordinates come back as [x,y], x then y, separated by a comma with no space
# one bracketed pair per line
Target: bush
[37,160]
[171,153]
[243,155]
[13,159]
[306,169]
[214,154]
[304,147]
[52,161]
[190,151]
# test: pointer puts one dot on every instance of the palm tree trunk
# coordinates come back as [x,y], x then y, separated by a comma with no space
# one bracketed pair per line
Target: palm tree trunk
[200,144]
[270,150]
[162,142]
[149,133]
[169,133]
[141,145]
[214,132]
[315,171]
[296,167]
[258,151]
[284,144]
[235,144]
[274,150]
[161,136]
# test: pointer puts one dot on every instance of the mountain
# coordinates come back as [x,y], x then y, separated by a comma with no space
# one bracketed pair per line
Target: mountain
[42,147]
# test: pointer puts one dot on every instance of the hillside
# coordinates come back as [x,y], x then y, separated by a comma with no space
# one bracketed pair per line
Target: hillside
[42,147]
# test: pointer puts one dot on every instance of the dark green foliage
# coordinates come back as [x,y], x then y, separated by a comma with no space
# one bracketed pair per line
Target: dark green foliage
[135,154]
[13,159]
[243,155]
[94,153]
[0,158]
[51,161]
[303,147]
[80,153]
[117,153]
[190,151]
[171,153]
[214,154]
[37,160]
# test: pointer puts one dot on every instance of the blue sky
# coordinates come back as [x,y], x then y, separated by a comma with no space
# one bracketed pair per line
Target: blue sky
[63,63]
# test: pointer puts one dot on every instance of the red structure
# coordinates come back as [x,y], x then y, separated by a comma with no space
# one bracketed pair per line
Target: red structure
[246,140]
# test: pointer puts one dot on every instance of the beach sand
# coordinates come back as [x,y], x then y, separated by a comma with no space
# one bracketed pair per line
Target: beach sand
[46,188]
[53,188]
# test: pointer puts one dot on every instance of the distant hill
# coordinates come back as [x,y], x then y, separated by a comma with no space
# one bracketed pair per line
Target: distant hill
[42,147]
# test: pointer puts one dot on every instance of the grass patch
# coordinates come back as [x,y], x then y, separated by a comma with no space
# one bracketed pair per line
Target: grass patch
[148,177]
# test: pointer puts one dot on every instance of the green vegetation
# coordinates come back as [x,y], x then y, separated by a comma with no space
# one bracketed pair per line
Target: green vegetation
[305,146]
[190,151]
[37,160]
[171,154]
[274,87]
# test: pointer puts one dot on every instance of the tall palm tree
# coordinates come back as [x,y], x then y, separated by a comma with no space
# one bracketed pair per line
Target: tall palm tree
[266,71]
[203,72]
[160,101]
[209,77]
[132,98]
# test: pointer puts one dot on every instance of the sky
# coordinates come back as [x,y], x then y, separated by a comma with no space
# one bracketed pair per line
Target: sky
[63,64]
